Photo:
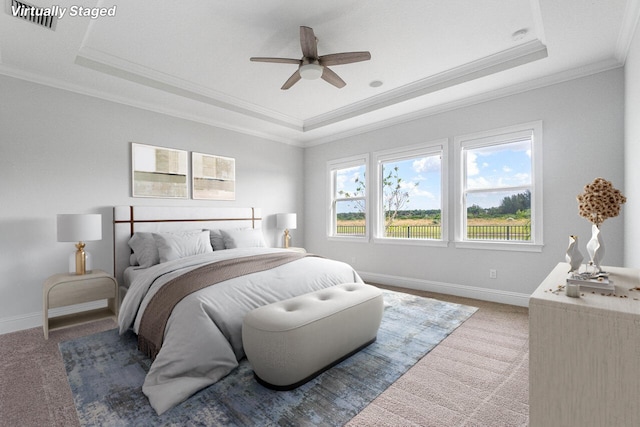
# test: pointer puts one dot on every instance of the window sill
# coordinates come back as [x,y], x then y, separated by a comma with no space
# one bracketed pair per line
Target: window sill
[410,242]
[500,246]
[356,239]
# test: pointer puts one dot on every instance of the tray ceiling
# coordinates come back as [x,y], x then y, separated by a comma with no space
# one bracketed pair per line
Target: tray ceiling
[191,59]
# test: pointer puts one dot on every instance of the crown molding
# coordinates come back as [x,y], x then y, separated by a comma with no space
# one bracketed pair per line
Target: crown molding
[246,130]
[118,67]
[153,107]
[121,68]
[519,55]
[627,30]
[550,80]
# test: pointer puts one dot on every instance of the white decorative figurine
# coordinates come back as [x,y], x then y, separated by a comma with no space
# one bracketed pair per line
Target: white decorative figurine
[574,257]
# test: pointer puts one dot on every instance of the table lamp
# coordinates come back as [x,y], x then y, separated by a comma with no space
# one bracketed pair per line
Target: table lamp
[288,222]
[79,228]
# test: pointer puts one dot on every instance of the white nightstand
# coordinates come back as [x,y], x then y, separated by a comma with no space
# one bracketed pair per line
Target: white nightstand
[301,250]
[66,289]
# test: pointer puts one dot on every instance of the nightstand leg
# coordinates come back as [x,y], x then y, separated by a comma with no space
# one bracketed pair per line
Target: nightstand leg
[45,318]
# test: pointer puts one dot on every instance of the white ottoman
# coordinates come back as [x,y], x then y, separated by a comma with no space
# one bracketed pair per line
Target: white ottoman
[290,342]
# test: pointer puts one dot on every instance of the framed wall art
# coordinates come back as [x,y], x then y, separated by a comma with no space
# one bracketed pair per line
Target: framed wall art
[159,172]
[213,177]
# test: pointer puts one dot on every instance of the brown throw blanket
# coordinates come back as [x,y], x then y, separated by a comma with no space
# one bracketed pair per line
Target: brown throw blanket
[156,315]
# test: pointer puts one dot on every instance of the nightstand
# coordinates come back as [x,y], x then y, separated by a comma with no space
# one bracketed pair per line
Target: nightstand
[65,289]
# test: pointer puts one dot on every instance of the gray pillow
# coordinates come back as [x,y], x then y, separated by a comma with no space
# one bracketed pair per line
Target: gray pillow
[217,241]
[244,238]
[145,249]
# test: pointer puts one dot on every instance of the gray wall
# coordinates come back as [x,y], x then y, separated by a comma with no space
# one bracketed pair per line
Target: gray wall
[61,152]
[582,139]
[632,155]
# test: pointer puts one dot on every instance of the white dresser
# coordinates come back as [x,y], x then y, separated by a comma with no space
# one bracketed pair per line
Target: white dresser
[584,367]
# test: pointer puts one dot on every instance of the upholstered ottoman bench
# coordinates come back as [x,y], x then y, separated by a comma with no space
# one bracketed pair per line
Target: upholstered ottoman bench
[290,342]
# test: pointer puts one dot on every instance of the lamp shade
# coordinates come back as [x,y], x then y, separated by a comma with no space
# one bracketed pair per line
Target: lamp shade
[286,220]
[79,227]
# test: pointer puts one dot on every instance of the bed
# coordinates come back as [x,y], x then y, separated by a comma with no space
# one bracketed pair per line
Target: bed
[196,340]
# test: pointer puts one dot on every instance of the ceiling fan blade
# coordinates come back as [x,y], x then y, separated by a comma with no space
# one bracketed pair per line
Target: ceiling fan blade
[308,43]
[344,58]
[333,78]
[295,78]
[278,60]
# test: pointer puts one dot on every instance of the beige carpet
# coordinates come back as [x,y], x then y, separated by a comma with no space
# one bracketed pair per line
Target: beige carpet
[478,376]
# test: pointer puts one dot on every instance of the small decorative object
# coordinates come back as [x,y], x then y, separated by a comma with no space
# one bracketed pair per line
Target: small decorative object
[574,257]
[286,221]
[599,201]
[595,248]
[572,290]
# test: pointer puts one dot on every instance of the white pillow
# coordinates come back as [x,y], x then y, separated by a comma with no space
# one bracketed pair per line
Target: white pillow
[182,244]
[245,238]
[144,249]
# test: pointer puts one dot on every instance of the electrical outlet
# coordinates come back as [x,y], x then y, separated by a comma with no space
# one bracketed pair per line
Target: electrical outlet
[493,274]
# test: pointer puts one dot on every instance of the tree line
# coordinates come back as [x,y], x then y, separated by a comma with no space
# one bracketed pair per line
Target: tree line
[518,205]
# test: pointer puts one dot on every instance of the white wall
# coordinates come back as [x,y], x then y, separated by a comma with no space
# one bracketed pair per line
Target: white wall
[582,139]
[61,152]
[632,154]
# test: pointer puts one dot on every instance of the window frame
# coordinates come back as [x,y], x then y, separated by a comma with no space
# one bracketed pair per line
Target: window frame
[496,137]
[439,146]
[332,167]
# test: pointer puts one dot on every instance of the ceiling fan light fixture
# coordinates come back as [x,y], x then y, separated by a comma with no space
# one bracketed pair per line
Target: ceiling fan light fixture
[311,71]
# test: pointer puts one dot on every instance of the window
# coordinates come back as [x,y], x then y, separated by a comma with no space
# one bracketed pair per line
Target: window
[348,198]
[500,190]
[410,194]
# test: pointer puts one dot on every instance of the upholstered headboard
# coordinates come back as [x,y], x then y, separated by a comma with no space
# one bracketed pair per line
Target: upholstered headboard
[130,219]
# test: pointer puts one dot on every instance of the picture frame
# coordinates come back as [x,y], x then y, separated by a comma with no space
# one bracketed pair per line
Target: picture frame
[159,172]
[213,177]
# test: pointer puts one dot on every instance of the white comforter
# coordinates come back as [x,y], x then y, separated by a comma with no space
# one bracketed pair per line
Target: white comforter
[203,336]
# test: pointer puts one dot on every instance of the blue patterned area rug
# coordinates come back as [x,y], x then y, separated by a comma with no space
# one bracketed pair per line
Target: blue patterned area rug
[106,373]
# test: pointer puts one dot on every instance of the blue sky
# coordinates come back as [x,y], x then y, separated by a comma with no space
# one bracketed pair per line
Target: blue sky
[501,166]
[498,166]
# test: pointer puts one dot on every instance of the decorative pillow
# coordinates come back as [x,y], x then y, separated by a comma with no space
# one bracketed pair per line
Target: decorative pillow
[182,244]
[133,259]
[244,238]
[217,241]
[145,249]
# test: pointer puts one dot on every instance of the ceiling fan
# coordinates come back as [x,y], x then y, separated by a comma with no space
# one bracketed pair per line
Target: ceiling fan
[312,66]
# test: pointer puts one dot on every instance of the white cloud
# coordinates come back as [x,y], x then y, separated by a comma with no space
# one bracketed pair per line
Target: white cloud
[522,178]
[480,182]
[417,192]
[427,164]
[472,165]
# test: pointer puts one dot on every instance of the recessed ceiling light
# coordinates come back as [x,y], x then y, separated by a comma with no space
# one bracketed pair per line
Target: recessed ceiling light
[519,35]
[375,83]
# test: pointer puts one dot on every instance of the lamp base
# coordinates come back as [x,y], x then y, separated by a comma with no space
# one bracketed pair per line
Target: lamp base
[287,238]
[80,261]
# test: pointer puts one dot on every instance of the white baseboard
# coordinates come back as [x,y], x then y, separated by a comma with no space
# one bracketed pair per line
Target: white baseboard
[34,320]
[484,294]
